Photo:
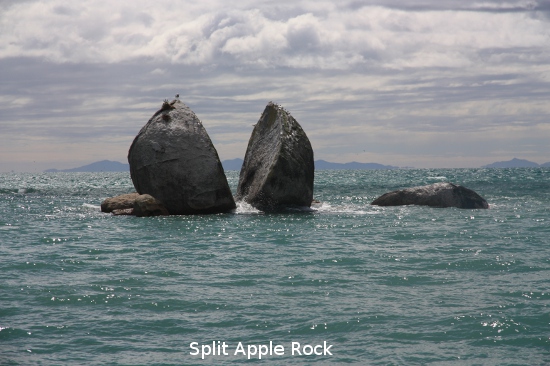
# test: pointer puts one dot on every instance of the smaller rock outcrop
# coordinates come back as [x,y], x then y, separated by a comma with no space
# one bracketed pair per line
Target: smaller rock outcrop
[278,167]
[124,201]
[434,195]
[134,204]
[147,205]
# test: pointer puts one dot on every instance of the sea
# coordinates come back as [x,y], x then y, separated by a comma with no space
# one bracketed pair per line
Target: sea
[341,283]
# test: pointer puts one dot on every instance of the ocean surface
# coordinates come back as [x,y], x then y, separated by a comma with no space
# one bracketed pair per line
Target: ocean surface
[345,283]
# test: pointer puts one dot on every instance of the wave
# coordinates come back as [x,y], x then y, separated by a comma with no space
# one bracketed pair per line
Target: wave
[94,207]
[244,208]
[325,207]
[17,190]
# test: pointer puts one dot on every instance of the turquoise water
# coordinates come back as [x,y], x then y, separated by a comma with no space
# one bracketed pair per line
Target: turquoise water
[384,286]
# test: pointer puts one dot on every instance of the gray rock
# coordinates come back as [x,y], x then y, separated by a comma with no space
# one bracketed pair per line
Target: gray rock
[434,195]
[124,201]
[173,159]
[278,167]
[147,205]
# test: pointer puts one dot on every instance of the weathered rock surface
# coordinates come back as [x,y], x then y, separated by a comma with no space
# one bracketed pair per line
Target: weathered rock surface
[278,167]
[173,159]
[123,212]
[124,201]
[147,205]
[434,195]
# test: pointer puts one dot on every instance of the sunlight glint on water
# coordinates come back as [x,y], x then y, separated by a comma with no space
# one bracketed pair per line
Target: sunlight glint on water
[395,285]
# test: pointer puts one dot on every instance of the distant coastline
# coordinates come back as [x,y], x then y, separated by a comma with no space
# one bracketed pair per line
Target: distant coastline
[232,164]
[235,164]
[98,166]
[516,163]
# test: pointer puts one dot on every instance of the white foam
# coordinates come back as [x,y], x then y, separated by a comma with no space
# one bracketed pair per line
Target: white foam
[244,208]
[301,209]
[325,207]
[95,207]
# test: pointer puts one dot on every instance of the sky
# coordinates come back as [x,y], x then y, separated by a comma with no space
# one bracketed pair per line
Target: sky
[418,83]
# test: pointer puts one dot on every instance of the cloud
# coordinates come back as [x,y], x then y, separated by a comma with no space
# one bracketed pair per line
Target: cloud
[404,78]
[341,38]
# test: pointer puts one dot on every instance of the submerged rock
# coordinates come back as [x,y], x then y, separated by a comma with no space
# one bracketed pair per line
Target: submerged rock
[173,159]
[147,205]
[434,195]
[278,167]
[122,202]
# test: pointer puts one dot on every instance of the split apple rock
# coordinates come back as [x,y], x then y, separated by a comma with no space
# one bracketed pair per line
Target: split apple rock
[173,159]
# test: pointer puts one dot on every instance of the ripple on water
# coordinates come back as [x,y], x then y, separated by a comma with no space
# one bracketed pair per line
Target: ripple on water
[401,285]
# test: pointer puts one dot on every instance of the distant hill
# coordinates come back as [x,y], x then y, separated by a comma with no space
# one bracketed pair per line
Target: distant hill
[232,164]
[326,165]
[514,163]
[236,164]
[545,165]
[98,166]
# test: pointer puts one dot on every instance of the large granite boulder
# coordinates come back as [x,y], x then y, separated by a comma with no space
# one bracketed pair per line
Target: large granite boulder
[122,202]
[434,195]
[278,167]
[173,159]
